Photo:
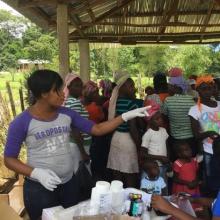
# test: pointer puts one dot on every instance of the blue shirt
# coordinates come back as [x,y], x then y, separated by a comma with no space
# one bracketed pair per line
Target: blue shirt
[216,206]
[153,186]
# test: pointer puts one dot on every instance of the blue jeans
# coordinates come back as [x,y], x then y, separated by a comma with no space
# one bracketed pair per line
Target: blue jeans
[207,160]
[37,198]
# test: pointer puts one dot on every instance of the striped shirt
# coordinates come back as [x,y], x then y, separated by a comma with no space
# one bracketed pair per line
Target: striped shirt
[176,108]
[76,105]
[124,105]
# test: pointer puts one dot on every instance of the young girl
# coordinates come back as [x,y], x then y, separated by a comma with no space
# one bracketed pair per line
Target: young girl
[152,182]
[185,170]
[45,127]
[154,140]
[73,93]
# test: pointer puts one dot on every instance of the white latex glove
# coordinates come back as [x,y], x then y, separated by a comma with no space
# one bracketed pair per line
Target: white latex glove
[46,177]
[138,112]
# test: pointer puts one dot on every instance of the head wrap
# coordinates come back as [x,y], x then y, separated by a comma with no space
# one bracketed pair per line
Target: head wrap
[177,79]
[120,79]
[89,88]
[203,79]
[153,110]
[175,71]
[106,85]
[68,79]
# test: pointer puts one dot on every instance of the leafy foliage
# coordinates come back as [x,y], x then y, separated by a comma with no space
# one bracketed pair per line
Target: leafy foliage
[19,38]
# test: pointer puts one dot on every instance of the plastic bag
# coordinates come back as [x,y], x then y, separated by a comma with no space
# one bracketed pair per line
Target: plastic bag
[85,180]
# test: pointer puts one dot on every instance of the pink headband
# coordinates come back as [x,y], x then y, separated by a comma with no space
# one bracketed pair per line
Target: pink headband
[68,79]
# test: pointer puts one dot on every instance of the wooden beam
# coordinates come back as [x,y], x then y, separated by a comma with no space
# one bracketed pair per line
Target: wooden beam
[208,16]
[75,21]
[160,13]
[89,11]
[37,3]
[108,13]
[133,42]
[82,7]
[63,38]
[154,34]
[154,38]
[170,24]
[166,18]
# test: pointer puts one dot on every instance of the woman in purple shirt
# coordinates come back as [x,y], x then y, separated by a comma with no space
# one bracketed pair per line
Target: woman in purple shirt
[45,127]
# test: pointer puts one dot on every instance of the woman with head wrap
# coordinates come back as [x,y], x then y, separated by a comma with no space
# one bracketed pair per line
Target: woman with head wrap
[160,85]
[175,108]
[90,99]
[126,142]
[205,121]
[73,92]
[106,87]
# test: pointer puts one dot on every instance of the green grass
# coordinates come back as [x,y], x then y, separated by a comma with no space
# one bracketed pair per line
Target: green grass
[16,82]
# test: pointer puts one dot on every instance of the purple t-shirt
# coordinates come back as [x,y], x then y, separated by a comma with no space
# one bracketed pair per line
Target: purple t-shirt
[48,142]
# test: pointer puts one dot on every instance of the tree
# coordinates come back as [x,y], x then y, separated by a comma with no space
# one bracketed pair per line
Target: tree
[192,59]
[44,48]
[11,29]
[152,59]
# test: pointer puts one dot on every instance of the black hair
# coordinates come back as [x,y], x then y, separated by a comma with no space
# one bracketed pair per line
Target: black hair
[149,162]
[160,82]
[177,146]
[42,81]
[217,82]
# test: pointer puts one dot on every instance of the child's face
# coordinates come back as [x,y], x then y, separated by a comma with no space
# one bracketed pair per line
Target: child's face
[152,170]
[185,151]
[149,91]
[157,119]
[205,90]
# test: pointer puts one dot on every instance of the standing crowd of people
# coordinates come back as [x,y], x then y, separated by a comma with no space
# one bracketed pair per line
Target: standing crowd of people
[166,143]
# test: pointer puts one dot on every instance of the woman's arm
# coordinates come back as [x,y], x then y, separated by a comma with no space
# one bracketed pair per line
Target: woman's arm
[201,135]
[176,179]
[109,126]
[106,127]
[17,166]
[159,203]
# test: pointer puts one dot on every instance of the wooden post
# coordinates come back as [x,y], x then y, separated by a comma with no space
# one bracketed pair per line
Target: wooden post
[84,59]
[63,38]
[21,99]
[11,99]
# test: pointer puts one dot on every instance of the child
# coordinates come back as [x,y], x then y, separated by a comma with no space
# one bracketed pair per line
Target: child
[154,140]
[45,127]
[152,182]
[185,170]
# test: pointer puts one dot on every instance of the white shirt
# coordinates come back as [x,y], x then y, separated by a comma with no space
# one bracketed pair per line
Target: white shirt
[155,141]
[209,119]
